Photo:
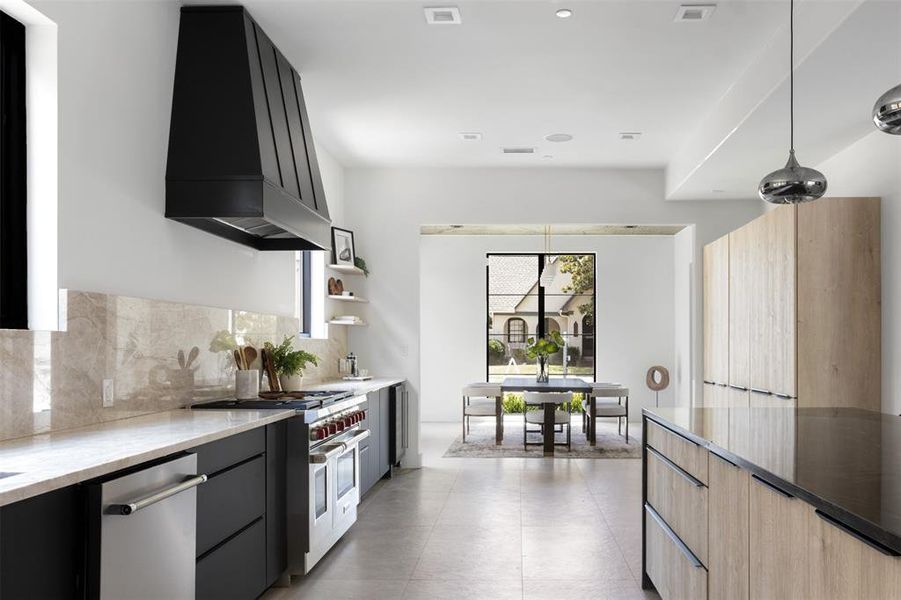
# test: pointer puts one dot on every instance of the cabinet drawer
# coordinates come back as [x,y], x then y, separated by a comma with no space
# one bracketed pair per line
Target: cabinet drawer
[237,569]
[229,501]
[681,500]
[688,455]
[676,572]
[221,454]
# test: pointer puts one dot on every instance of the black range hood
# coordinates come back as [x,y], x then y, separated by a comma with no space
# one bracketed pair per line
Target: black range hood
[241,159]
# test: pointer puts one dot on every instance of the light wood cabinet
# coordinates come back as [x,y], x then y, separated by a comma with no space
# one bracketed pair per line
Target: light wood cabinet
[716,311]
[686,454]
[739,402]
[681,500]
[772,281]
[839,303]
[773,444]
[803,316]
[843,567]
[728,530]
[676,573]
[741,296]
[779,530]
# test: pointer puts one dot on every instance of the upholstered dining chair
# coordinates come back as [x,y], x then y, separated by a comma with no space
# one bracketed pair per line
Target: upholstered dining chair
[487,396]
[585,399]
[610,401]
[562,417]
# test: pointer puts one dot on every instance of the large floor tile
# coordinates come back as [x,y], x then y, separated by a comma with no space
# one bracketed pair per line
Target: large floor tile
[421,589]
[340,590]
[613,589]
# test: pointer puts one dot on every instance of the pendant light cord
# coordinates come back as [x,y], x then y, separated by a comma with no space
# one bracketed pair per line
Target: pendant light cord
[791,72]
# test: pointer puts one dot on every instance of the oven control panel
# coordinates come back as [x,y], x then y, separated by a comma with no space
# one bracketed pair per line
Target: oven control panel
[327,428]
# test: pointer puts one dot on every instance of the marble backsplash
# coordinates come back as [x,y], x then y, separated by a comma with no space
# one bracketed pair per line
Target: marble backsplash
[54,380]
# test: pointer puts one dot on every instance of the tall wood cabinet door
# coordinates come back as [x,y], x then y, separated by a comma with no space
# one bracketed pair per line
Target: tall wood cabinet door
[845,568]
[716,311]
[773,312]
[728,568]
[740,298]
[839,303]
[779,535]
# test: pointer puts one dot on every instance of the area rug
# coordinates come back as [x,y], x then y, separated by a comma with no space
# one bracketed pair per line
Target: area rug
[480,442]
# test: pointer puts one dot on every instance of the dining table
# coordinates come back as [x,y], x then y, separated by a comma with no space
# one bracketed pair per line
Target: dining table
[553,385]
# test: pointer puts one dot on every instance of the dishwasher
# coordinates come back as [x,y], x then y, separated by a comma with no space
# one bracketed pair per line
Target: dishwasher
[142,532]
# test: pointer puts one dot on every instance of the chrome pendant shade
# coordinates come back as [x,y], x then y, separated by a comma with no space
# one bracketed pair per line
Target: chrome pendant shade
[792,184]
[887,111]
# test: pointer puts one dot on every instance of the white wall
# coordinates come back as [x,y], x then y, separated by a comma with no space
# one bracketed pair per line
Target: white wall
[634,308]
[872,167]
[686,312]
[116,69]
[386,207]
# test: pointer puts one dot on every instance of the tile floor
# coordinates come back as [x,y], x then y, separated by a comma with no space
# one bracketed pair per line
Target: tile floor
[480,528]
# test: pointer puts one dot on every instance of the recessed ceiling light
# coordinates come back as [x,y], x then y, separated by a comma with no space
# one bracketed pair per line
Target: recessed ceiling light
[548,156]
[442,15]
[470,136]
[629,135]
[631,226]
[564,13]
[717,191]
[558,137]
[692,13]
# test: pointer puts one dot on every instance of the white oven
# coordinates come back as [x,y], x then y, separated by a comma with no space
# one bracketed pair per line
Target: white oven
[334,492]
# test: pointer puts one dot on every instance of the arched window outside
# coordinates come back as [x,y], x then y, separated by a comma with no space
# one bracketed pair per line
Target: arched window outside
[516,331]
[576,329]
[551,325]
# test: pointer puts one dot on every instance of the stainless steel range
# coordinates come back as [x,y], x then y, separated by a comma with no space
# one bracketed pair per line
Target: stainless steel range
[323,464]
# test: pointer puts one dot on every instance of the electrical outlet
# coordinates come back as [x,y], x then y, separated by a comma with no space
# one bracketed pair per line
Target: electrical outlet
[109,393]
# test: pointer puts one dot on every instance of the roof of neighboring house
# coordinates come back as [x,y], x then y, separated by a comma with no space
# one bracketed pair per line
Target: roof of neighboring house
[512,276]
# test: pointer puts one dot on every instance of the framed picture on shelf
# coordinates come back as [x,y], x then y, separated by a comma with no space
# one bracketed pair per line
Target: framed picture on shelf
[343,247]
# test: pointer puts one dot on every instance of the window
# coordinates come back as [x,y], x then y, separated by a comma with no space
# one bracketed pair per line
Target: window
[517,332]
[13,215]
[519,306]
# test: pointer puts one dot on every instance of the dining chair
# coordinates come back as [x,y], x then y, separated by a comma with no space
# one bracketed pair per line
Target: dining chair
[562,417]
[482,408]
[585,399]
[615,403]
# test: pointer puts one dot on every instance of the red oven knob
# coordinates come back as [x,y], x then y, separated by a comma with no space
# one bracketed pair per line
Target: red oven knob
[357,417]
[332,428]
[348,421]
[321,433]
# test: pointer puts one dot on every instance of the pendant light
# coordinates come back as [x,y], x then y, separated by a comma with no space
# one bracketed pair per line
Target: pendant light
[547,273]
[887,111]
[792,184]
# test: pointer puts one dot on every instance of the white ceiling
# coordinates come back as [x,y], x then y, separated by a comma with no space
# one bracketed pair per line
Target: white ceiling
[383,88]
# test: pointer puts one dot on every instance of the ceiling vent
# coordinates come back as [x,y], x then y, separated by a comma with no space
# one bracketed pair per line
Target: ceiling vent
[630,135]
[442,15]
[694,12]
[471,136]
[518,150]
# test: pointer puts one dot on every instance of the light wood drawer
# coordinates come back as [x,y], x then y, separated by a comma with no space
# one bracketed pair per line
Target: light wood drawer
[681,499]
[676,572]
[685,453]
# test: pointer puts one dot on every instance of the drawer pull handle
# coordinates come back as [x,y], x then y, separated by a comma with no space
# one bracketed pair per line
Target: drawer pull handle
[740,388]
[857,535]
[725,460]
[691,479]
[676,433]
[673,537]
[761,391]
[773,487]
[784,396]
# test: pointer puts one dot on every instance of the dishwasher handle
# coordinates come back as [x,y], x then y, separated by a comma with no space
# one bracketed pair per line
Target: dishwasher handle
[129,508]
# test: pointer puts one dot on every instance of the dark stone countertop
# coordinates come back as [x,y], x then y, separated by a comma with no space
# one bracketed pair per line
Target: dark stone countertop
[844,461]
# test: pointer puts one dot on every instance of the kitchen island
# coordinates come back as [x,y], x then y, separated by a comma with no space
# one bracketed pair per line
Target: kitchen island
[772,502]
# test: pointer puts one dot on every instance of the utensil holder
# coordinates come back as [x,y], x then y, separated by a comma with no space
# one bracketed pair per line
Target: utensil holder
[247,384]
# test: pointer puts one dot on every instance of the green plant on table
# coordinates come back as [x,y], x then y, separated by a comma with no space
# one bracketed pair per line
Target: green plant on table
[544,347]
[288,361]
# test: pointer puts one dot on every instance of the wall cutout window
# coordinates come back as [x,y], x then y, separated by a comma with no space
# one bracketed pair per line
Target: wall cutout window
[13,214]
[305,292]
[519,306]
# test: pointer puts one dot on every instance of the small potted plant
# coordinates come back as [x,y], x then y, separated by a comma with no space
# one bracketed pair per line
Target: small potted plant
[290,363]
[541,349]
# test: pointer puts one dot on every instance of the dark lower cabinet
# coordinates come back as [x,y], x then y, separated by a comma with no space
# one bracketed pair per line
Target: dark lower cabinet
[236,569]
[41,546]
[375,452]
[229,501]
[276,501]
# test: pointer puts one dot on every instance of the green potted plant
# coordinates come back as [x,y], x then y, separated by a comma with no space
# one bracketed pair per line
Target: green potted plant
[290,363]
[541,349]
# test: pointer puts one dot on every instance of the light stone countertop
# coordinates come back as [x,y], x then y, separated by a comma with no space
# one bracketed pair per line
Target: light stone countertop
[55,460]
[356,387]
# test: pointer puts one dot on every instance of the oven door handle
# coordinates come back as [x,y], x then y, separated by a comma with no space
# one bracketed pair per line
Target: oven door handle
[319,458]
[356,438]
